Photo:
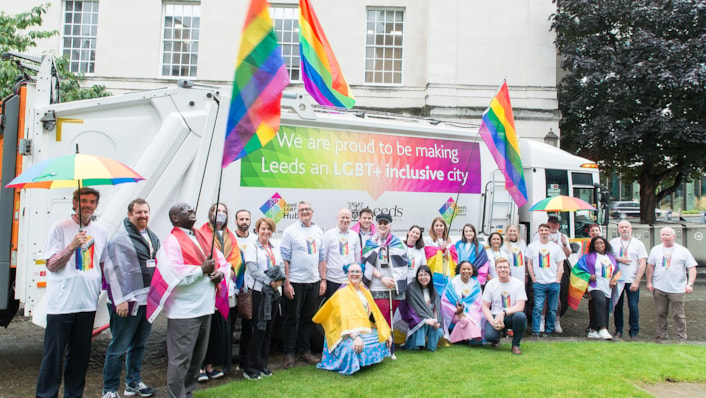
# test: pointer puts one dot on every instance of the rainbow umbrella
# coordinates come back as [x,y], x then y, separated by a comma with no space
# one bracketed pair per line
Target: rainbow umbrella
[73,171]
[562,203]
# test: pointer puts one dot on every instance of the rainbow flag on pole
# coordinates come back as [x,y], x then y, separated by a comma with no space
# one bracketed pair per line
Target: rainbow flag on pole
[260,78]
[322,75]
[498,131]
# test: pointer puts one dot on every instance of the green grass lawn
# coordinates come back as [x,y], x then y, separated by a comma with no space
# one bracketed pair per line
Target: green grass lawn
[567,369]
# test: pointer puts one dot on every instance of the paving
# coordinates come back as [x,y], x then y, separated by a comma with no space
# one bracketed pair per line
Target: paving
[21,350]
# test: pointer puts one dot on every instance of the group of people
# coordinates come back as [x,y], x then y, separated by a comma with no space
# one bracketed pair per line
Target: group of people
[376,290]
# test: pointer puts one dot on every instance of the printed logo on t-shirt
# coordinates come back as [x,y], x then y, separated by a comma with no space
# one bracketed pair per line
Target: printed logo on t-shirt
[606,268]
[343,246]
[517,259]
[411,262]
[667,260]
[544,258]
[623,252]
[84,255]
[311,245]
[505,295]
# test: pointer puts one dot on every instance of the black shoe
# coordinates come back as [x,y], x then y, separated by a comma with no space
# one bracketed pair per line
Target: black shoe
[266,372]
[618,335]
[251,376]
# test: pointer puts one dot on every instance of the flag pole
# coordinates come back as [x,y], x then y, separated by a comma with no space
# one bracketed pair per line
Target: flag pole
[218,201]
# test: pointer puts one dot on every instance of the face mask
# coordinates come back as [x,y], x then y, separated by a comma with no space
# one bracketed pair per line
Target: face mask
[221,218]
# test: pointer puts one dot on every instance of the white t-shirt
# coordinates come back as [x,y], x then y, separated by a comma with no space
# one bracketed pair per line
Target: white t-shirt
[503,295]
[244,242]
[492,256]
[75,288]
[340,248]
[604,273]
[546,259]
[263,258]
[516,255]
[462,289]
[301,247]
[670,267]
[635,251]
[417,257]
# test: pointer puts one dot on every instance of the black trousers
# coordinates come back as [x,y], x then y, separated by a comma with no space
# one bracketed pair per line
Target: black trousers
[70,333]
[297,317]
[600,312]
[259,347]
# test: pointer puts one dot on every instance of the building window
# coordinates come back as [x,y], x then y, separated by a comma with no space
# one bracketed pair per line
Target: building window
[180,43]
[286,22]
[79,35]
[383,46]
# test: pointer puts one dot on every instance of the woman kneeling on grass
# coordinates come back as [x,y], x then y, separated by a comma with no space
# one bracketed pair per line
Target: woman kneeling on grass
[461,307]
[419,316]
[357,333]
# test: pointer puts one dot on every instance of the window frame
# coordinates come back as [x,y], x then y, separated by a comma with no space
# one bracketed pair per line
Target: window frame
[384,47]
[196,6]
[294,43]
[80,37]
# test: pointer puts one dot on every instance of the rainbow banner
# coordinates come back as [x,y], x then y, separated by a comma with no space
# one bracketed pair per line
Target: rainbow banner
[275,208]
[311,158]
[260,78]
[322,75]
[448,210]
[498,131]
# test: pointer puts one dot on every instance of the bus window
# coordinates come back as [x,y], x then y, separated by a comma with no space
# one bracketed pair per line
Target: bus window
[582,179]
[583,218]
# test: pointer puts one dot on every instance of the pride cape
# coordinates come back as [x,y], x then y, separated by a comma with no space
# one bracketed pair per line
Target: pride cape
[343,314]
[581,274]
[228,245]
[177,257]
[260,78]
[442,264]
[477,256]
[472,309]
[498,131]
[322,76]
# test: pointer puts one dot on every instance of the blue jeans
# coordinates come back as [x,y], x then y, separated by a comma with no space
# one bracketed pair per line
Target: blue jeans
[517,322]
[129,334]
[426,336]
[633,307]
[550,293]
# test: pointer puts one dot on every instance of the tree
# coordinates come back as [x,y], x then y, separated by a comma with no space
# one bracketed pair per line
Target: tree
[633,97]
[18,33]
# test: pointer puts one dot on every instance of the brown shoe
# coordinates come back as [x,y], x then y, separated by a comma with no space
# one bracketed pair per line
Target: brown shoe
[309,358]
[289,360]
[516,350]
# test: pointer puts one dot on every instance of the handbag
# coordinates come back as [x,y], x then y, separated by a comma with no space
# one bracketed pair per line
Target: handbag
[245,299]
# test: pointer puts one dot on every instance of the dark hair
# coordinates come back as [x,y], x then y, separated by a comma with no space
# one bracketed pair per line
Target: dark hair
[138,201]
[592,246]
[594,225]
[473,267]
[432,233]
[247,211]
[475,234]
[365,210]
[88,191]
[490,237]
[431,287]
[420,242]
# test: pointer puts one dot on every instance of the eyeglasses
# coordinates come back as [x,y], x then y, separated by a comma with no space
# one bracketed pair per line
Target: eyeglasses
[305,210]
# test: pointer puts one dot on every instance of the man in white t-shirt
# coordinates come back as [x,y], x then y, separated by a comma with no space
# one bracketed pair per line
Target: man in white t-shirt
[667,267]
[632,256]
[545,264]
[305,268]
[245,239]
[504,306]
[341,247]
[75,253]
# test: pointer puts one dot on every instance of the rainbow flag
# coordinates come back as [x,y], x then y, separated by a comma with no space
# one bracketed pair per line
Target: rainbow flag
[322,75]
[84,255]
[260,78]
[498,131]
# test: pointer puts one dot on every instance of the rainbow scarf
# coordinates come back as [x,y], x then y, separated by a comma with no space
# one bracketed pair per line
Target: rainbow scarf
[229,247]
[176,257]
[442,265]
[260,78]
[581,274]
[498,131]
[322,76]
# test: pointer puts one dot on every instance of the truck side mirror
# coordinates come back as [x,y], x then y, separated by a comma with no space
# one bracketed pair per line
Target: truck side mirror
[575,247]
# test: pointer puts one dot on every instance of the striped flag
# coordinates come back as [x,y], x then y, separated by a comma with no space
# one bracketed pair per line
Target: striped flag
[260,78]
[498,131]
[322,76]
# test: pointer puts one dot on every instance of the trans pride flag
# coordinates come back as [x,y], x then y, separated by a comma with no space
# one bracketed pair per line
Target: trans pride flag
[322,75]
[260,78]
[498,131]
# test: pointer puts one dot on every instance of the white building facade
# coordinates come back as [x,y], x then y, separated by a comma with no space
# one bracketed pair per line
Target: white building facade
[443,58]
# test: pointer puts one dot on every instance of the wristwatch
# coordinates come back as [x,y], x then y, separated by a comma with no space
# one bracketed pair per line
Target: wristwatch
[505,312]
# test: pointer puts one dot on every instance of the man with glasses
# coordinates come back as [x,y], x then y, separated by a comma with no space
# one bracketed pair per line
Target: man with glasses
[305,269]
[386,262]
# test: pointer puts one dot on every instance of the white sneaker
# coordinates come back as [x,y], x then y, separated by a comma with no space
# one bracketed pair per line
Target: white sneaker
[557,326]
[111,394]
[541,324]
[593,335]
[603,333]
